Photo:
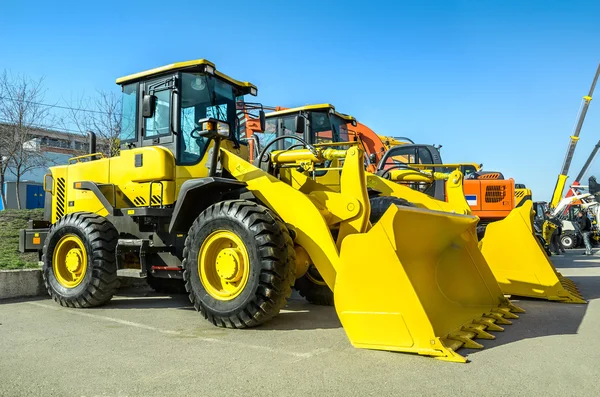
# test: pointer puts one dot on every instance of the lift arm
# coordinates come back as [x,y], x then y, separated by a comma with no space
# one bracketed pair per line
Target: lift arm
[562,177]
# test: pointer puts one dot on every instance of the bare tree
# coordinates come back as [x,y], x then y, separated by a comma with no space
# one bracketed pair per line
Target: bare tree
[21,111]
[101,115]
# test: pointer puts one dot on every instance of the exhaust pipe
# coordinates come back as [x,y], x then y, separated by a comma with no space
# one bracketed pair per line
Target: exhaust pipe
[91,142]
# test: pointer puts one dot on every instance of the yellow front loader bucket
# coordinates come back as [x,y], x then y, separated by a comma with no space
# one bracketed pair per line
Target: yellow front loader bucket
[417,282]
[520,263]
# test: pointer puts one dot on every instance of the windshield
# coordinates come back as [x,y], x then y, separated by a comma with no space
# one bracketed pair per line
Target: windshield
[202,96]
[328,127]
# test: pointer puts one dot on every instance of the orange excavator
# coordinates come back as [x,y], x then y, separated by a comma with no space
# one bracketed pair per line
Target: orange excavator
[490,196]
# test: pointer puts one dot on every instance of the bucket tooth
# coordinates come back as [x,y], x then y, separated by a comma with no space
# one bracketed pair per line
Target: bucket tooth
[466,338]
[479,330]
[499,319]
[505,312]
[490,323]
[514,308]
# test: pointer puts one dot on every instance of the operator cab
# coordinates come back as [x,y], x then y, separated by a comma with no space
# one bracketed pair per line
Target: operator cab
[313,123]
[171,106]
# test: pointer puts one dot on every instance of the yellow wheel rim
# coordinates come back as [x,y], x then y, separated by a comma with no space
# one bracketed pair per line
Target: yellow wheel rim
[69,261]
[313,275]
[223,265]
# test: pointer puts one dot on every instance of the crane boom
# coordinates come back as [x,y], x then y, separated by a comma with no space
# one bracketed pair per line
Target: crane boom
[588,162]
[562,177]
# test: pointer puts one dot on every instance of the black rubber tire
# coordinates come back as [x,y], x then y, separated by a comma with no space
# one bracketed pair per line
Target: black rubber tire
[568,241]
[272,263]
[381,204]
[100,239]
[481,231]
[166,285]
[317,294]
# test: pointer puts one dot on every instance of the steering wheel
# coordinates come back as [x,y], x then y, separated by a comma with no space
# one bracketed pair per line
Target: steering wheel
[303,143]
[295,146]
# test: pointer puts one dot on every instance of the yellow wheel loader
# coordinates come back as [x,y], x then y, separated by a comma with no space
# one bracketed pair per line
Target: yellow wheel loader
[510,246]
[182,201]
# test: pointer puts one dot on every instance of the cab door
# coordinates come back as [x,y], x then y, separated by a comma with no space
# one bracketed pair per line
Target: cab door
[158,129]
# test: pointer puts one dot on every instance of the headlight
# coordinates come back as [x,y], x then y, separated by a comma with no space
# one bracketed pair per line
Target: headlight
[223,129]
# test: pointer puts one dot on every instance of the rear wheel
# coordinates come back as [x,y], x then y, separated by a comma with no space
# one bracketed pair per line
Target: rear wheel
[568,241]
[239,264]
[79,260]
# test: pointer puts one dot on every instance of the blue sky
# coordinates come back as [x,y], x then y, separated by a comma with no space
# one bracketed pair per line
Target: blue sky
[495,82]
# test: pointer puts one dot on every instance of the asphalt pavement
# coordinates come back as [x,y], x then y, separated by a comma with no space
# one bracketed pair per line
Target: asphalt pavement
[146,344]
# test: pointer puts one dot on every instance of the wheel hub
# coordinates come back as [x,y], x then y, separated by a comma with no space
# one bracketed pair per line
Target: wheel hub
[69,261]
[223,265]
[74,260]
[228,264]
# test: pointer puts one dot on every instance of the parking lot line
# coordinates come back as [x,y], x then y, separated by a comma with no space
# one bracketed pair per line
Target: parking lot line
[182,334]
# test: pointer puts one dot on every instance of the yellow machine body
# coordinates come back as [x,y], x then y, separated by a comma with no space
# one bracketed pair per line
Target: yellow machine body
[429,291]
[153,181]
[510,247]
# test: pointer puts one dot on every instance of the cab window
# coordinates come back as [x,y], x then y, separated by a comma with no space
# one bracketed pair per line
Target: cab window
[128,112]
[321,127]
[287,125]
[158,124]
[202,97]
[401,156]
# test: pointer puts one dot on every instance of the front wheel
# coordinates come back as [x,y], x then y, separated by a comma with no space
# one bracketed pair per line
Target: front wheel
[313,288]
[239,264]
[379,205]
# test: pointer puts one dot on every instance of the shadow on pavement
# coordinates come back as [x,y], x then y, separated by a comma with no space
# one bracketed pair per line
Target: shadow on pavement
[545,318]
[300,315]
[297,315]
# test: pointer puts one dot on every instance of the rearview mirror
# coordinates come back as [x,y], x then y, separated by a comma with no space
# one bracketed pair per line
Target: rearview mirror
[263,121]
[299,125]
[373,158]
[148,105]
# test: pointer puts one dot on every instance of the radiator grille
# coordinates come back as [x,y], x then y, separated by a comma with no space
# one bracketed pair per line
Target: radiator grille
[495,194]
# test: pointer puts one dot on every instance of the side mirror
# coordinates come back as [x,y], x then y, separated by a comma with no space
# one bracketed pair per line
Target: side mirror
[148,105]
[263,121]
[299,125]
[373,158]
